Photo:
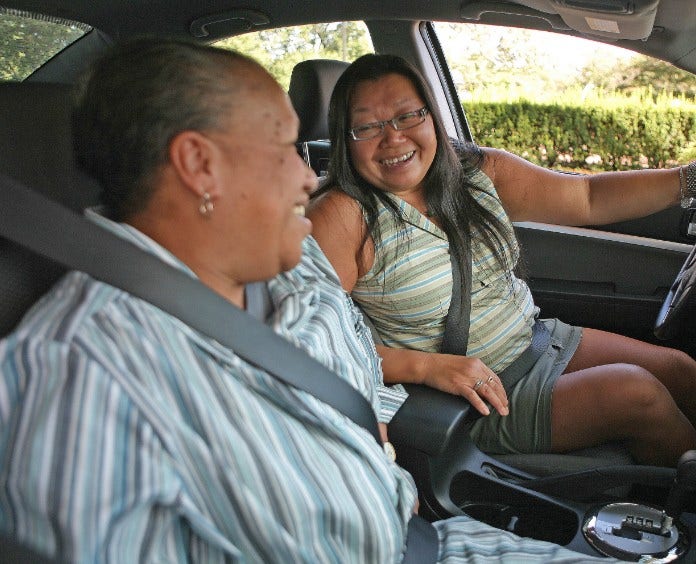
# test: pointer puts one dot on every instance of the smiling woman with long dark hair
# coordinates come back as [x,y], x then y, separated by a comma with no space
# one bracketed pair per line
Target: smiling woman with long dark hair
[405,211]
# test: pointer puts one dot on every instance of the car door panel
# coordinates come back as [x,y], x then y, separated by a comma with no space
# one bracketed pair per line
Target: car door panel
[599,279]
[671,224]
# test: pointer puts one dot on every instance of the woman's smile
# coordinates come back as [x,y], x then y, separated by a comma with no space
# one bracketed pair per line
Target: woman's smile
[394,161]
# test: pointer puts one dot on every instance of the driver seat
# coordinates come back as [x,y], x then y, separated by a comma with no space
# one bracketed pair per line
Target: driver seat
[311,84]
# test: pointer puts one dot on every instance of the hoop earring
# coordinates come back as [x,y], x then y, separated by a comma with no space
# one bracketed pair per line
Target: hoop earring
[206,206]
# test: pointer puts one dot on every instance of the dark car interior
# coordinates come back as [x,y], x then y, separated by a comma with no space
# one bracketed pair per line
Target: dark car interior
[618,279]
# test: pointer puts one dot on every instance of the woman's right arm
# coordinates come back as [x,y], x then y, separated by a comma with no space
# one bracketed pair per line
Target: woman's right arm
[454,374]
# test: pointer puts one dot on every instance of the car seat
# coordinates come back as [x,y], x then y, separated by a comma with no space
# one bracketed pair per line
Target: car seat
[311,84]
[36,149]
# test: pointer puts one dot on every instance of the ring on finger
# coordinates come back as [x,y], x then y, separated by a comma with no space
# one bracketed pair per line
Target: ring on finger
[490,379]
[478,384]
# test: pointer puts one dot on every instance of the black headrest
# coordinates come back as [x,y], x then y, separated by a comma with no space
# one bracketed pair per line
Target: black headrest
[36,150]
[310,89]
[36,143]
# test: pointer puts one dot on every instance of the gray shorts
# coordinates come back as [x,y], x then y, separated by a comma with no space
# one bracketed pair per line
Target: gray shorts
[527,429]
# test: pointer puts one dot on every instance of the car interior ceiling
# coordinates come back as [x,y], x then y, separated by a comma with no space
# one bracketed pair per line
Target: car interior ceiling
[660,18]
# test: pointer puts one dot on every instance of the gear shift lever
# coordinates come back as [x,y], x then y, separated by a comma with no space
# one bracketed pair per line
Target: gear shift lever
[640,532]
[683,485]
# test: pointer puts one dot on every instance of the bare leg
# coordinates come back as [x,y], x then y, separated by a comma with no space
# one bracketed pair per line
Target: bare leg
[674,368]
[617,388]
[619,402]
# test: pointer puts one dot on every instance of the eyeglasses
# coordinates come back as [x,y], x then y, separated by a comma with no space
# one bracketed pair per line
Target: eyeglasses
[376,128]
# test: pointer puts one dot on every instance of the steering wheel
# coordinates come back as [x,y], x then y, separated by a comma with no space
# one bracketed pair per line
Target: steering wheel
[677,299]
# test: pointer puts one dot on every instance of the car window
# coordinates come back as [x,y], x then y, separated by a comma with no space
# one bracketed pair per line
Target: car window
[28,40]
[279,50]
[570,103]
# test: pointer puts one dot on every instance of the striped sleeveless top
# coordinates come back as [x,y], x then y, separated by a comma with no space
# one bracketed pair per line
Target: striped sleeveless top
[407,291]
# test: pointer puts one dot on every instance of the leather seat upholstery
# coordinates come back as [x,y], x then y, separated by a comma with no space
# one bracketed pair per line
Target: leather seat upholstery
[36,149]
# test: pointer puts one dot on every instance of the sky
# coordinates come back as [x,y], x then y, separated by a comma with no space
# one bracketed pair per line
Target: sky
[561,51]
[579,51]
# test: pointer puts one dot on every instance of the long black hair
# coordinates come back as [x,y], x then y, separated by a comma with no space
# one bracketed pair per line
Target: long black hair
[448,190]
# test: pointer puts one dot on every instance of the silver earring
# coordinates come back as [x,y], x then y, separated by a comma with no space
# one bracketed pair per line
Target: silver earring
[206,207]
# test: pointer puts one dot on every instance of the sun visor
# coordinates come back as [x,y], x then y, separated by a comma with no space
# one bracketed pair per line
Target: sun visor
[613,19]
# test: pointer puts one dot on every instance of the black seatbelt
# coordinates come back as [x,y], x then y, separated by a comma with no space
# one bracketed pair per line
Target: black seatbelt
[456,337]
[49,229]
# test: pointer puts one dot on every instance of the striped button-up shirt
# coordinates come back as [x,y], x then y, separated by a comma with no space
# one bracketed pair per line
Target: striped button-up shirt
[126,436]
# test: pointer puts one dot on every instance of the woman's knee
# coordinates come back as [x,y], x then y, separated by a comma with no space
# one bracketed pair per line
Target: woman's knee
[640,383]
[677,371]
[617,401]
[636,395]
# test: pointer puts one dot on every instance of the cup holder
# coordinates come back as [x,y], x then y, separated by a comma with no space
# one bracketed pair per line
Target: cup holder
[513,510]
[538,521]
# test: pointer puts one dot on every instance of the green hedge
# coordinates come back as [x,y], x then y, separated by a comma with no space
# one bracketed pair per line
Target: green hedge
[606,137]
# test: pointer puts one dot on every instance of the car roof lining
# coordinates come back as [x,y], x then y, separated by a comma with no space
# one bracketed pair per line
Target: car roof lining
[174,18]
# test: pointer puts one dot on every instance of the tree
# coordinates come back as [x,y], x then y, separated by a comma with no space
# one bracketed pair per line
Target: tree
[279,50]
[516,63]
[641,73]
[509,62]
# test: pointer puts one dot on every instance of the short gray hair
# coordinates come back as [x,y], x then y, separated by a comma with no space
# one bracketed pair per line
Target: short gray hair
[136,99]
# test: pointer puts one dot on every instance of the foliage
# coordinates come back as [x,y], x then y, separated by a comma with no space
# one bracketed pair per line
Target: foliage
[26,43]
[514,63]
[590,135]
[640,74]
[610,109]
[498,60]
[280,50]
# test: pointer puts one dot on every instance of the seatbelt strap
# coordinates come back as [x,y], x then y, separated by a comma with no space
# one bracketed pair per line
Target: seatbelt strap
[49,229]
[258,300]
[422,544]
[456,337]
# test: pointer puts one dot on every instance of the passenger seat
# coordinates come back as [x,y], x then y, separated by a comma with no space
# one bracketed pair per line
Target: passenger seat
[36,150]
[311,84]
